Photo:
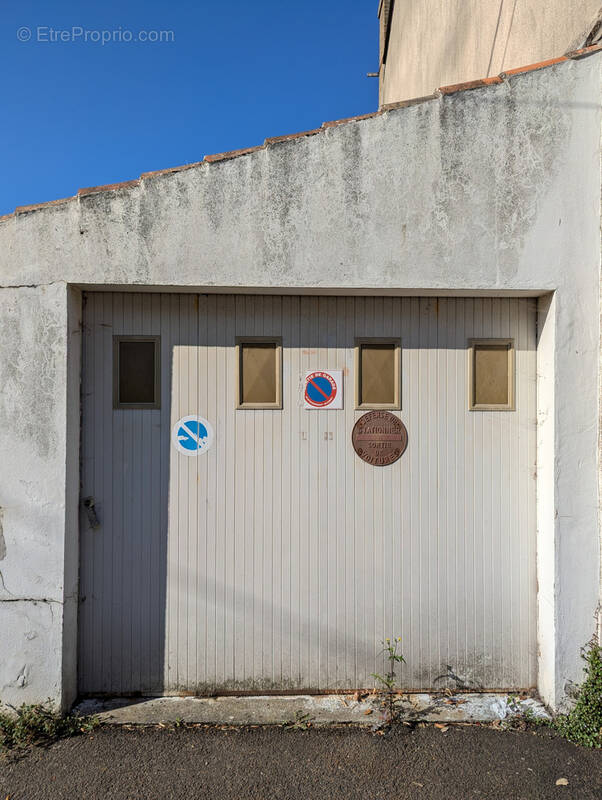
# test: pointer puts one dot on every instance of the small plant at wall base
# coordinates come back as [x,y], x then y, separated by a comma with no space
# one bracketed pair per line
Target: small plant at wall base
[302,722]
[387,683]
[583,725]
[40,723]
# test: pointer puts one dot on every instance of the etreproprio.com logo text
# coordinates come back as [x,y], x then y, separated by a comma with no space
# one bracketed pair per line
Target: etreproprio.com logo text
[76,34]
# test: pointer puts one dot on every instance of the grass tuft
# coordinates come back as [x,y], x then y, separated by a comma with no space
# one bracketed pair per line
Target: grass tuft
[40,723]
[583,725]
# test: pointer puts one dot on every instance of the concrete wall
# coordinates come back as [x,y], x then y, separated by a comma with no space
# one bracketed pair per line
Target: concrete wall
[495,190]
[436,43]
[38,491]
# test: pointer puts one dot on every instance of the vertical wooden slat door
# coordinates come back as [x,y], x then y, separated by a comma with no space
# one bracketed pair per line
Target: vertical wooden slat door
[279,560]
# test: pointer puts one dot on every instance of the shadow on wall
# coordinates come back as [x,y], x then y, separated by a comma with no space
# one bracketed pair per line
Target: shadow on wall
[125,470]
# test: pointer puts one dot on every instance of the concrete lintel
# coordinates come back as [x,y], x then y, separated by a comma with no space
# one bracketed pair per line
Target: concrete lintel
[351,291]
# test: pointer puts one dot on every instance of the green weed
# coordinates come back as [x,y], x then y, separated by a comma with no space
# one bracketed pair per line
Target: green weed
[583,725]
[387,683]
[40,723]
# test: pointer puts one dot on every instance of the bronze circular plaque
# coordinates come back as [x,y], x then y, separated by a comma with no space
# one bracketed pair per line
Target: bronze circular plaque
[379,438]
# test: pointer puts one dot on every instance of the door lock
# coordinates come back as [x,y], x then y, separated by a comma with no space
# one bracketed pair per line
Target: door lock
[93,521]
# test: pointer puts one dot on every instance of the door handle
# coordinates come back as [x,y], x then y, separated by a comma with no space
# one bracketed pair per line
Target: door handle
[90,509]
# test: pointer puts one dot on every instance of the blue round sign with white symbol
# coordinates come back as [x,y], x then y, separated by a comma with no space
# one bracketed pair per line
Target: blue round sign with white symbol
[192,435]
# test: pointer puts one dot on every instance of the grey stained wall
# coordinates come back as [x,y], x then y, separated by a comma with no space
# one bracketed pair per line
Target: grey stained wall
[39,486]
[485,191]
[432,43]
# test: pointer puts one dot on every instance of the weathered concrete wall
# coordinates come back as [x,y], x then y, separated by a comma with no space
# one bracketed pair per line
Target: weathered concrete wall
[491,190]
[436,43]
[35,589]
[473,190]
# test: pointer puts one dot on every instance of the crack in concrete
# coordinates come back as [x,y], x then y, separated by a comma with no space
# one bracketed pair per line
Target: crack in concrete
[4,585]
[30,600]
[14,599]
[47,601]
[30,285]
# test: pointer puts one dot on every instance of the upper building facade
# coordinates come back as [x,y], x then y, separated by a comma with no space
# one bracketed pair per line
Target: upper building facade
[425,44]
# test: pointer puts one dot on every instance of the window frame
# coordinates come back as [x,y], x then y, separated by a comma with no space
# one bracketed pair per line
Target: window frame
[239,343]
[117,404]
[501,341]
[359,343]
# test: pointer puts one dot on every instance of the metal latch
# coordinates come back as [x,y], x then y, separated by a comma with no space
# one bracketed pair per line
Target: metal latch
[88,503]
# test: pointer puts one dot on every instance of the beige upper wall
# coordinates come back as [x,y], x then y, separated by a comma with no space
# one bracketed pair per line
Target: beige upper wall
[436,43]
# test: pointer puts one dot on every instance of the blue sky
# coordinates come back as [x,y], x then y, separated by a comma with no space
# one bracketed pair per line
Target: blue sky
[79,113]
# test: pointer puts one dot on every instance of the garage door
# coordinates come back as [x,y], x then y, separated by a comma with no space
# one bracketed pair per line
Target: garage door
[273,557]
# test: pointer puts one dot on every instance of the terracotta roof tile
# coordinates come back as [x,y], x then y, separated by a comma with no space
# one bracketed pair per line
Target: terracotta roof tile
[336,122]
[466,87]
[414,101]
[37,206]
[232,154]
[531,67]
[585,51]
[109,187]
[169,170]
[478,84]
[290,136]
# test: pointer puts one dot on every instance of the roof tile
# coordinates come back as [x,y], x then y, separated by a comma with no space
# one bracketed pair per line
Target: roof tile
[169,170]
[109,187]
[232,154]
[414,101]
[531,67]
[584,51]
[469,85]
[37,206]
[289,136]
[336,122]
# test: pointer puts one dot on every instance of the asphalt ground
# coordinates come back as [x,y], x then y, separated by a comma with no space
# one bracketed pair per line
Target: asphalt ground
[460,762]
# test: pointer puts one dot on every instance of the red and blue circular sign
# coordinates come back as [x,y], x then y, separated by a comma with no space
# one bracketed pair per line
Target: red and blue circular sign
[320,389]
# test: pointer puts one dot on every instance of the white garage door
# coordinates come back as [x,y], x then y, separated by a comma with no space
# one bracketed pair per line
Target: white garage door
[278,559]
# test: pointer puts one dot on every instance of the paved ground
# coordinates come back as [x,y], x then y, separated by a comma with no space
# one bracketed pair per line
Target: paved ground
[462,763]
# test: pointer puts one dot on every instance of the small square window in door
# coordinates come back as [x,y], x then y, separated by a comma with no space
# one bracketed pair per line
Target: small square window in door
[491,375]
[259,383]
[136,372]
[377,370]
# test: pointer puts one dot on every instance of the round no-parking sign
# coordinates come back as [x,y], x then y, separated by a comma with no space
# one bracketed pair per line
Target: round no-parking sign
[323,389]
[192,435]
